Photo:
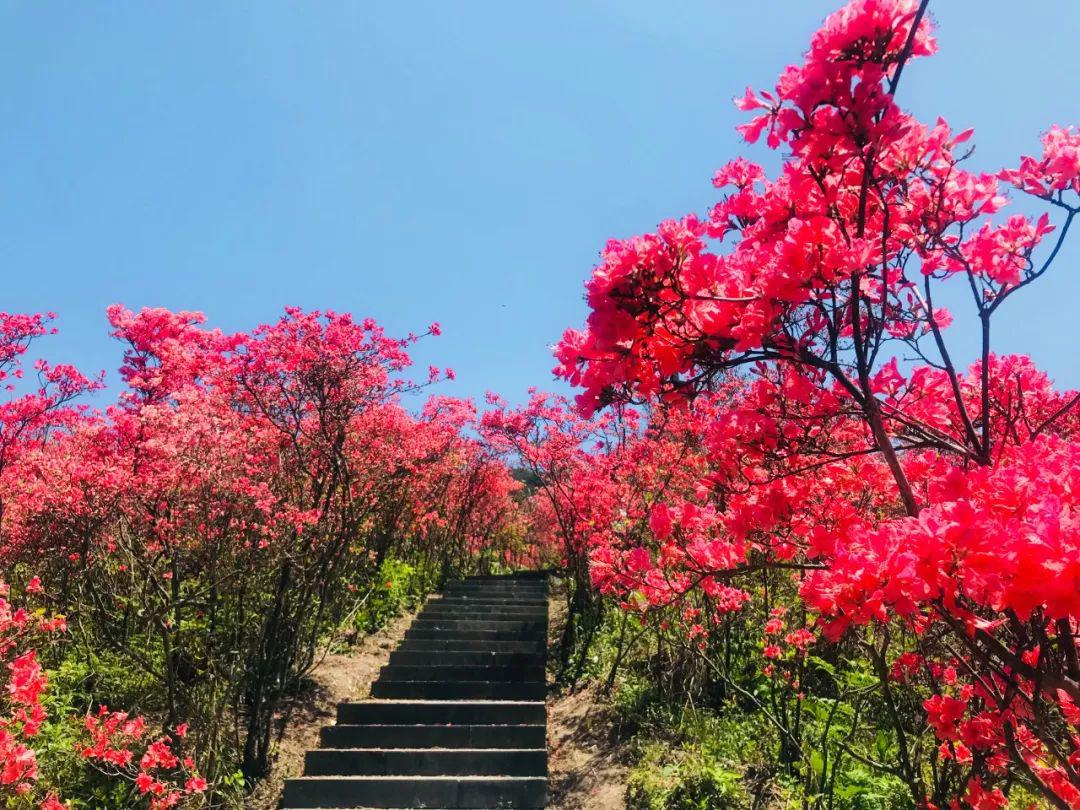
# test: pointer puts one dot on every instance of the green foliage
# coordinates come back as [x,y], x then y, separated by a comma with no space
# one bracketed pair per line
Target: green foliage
[667,779]
[397,586]
[706,727]
[859,788]
[57,743]
[78,671]
[687,758]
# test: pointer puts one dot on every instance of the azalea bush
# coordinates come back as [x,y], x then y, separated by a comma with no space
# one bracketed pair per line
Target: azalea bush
[189,550]
[889,526]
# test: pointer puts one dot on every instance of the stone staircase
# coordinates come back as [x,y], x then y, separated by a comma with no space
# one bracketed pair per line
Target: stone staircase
[456,720]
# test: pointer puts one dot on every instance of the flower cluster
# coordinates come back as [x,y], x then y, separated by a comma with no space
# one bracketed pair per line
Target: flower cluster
[158,773]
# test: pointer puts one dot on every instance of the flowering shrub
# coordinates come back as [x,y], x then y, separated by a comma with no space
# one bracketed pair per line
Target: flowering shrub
[158,773]
[211,529]
[916,509]
[24,681]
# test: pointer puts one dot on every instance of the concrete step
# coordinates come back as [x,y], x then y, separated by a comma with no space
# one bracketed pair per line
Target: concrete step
[511,625]
[513,792]
[426,762]
[502,593]
[496,587]
[499,594]
[527,599]
[464,602]
[476,658]
[538,620]
[448,713]
[436,609]
[450,634]
[486,605]
[510,601]
[497,581]
[514,606]
[445,643]
[449,736]
[460,672]
[462,690]
[497,597]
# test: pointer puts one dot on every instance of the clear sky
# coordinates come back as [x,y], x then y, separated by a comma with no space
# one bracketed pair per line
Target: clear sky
[455,161]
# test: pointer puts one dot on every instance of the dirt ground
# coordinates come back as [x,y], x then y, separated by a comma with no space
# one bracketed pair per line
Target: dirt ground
[585,769]
[585,766]
[339,677]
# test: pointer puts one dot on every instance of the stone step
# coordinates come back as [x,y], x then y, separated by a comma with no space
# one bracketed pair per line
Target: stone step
[532,632]
[497,587]
[448,736]
[438,609]
[497,582]
[466,603]
[510,607]
[442,616]
[495,601]
[460,672]
[426,762]
[448,713]
[450,644]
[498,597]
[512,792]
[485,606]
[467,588]
[451,634]
[502,593]
[475,658]
[532,597]
[505,625]
[539,585]
[462,690]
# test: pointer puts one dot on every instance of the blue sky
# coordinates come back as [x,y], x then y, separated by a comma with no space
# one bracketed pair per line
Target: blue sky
[419,161]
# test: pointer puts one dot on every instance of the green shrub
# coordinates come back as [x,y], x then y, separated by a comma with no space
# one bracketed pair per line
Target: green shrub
[860,789]
[674,780]
[705,785]
[688,759]
[397,587]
